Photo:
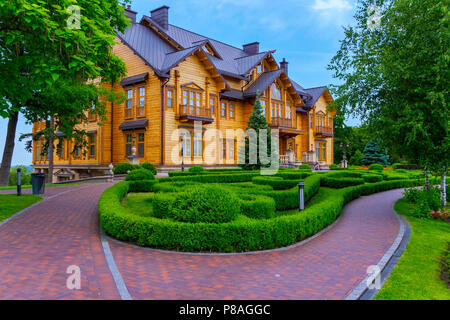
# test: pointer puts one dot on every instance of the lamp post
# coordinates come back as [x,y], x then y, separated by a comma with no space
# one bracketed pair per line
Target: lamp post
[19,182]
[301,196]
[182,153]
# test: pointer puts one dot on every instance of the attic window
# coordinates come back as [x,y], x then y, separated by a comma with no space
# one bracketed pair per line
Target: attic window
[259,69]
[207,48]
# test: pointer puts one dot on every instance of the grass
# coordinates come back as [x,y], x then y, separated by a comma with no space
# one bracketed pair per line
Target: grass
[139,204]
[417,274]
[10,204]
[47,186]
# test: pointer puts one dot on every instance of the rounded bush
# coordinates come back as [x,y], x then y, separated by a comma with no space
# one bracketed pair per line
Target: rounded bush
[205,204]
[124,168]
[150,167]
[376,166]
[196,169]
[140,175]
[334,167]
[305,167]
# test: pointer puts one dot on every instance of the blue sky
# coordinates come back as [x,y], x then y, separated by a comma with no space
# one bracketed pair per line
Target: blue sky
[305,32]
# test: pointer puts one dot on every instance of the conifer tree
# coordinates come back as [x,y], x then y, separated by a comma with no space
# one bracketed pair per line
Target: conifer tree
[256,122]
[373,154]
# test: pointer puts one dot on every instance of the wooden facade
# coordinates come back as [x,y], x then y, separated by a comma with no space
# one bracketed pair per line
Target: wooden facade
[190,105]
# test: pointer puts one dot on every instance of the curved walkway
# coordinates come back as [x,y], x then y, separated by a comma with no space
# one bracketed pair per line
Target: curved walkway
[37,247]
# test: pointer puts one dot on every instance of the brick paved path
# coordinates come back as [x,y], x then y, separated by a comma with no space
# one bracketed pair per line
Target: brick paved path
[37,247]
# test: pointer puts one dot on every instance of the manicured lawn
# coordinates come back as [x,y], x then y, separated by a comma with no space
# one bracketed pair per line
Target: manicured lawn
[139,203]
[11,204]
[47,186]
[416,277]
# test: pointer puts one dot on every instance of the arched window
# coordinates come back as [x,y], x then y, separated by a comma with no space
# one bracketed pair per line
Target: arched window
[185,143]
[275,92]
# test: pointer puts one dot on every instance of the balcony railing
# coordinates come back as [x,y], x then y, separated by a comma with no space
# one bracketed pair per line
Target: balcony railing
[193,112]
[324,131]
[281,122]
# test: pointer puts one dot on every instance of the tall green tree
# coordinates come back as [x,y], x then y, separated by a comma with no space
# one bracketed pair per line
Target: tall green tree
[251,154]
[43,41]
[395,76]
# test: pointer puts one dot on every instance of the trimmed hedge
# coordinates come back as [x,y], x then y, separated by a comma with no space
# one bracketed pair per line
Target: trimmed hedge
[124,168]
[334,167]
[372,178]
[196,169]
[143,186]
[305,167]
[217,178]
[150,167]
[239,235]
[140,175]
[277,183]
[376,166]
[204,204]
[339,183]
[257,207]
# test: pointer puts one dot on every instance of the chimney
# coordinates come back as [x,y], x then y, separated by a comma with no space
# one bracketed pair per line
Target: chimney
[284,66]
[251,48]
[161,16]
[130,14]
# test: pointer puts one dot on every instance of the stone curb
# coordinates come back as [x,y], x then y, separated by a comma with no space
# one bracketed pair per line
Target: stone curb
[387,262]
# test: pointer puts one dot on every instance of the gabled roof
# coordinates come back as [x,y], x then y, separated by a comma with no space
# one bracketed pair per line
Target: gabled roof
[134,79]
[315,94]
[262,83]
[163,49]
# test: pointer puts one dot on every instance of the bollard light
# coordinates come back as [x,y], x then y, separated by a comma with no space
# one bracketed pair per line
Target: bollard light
[301,196]
[19,182]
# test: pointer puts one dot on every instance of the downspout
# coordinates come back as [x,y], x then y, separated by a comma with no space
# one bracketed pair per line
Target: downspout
[162,120]
[112,129]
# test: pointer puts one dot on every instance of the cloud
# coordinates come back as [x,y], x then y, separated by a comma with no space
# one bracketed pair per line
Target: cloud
[320,5]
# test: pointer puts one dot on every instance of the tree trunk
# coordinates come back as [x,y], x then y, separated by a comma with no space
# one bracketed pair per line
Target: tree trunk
[50,154]
[443,185]
[427,179]
[9,149]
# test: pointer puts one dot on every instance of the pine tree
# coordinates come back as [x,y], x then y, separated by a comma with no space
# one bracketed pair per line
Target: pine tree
[257,122]
[373,154]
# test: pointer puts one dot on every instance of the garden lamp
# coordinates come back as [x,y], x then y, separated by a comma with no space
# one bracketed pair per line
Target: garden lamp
[301,196]
[19,182]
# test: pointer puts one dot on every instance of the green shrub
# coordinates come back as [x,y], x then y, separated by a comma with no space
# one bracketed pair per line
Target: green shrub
[372,178]
[150,167]
[340,183]
[277,183]
[376,166]
[239,235]
[344,174]
[205,204]
[305,167]
[217,178]
[424,200]
[143,186]
[294,175]
[139,175]
[257,207]
[25,176]
[334,167]
[124,168]
[162,203]
[196,169]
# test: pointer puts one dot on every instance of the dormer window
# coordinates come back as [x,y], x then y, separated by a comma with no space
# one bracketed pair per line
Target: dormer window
[259,69]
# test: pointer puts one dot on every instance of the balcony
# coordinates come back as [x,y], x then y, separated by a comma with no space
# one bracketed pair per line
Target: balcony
[324,131]
[192,113]
[281,123]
